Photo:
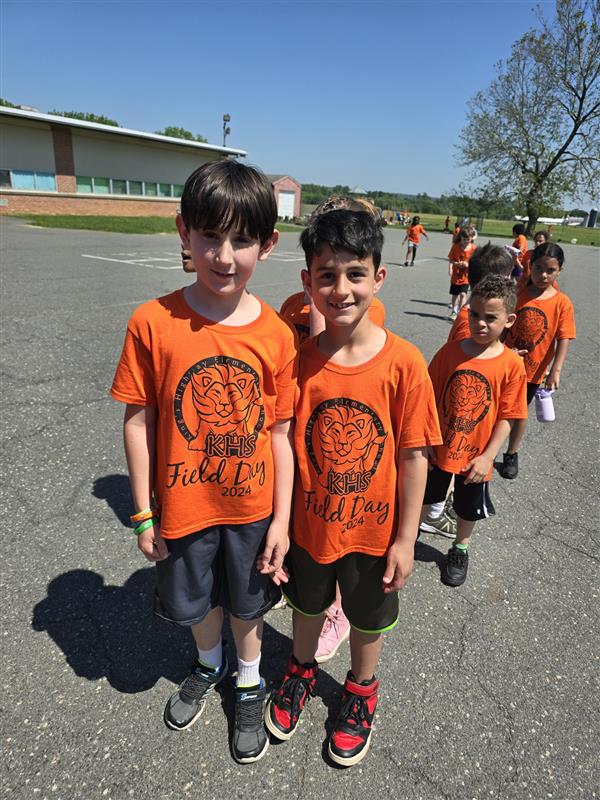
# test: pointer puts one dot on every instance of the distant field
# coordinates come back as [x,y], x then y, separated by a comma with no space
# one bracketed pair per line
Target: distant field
[433,222]
[501,227]
[116,224]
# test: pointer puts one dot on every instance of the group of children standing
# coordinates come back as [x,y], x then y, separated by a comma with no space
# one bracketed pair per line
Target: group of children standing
[255,468]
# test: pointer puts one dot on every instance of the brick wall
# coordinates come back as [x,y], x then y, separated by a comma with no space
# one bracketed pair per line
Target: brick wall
[64,162]
[23,203]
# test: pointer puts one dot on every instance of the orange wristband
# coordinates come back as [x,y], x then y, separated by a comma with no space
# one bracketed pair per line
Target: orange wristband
[142,516]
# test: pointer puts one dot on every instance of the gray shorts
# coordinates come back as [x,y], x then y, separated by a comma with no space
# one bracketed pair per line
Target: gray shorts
[215,567]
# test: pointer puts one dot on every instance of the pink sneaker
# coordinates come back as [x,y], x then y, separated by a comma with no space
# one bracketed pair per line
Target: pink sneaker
[336,629]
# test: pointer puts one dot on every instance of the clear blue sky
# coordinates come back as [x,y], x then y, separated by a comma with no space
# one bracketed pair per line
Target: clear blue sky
[369,93]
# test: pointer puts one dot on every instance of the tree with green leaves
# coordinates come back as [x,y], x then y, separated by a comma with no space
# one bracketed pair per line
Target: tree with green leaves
[7,103]
[100,118]
[181,133]
[534,135]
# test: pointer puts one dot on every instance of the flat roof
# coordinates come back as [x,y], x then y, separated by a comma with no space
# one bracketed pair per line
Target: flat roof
[37,116]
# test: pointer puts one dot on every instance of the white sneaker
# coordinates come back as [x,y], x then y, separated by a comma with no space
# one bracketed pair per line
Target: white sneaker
[443,525]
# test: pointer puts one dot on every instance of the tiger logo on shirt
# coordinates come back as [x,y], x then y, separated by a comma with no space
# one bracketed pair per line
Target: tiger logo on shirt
[529,329]
[219,408]
[344,441]
[466,400]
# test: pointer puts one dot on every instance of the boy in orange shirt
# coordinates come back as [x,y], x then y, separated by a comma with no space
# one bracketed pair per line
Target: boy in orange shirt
[545,325]
[208,374]
[364,417]
[479,388]
[458,263]
[413,233]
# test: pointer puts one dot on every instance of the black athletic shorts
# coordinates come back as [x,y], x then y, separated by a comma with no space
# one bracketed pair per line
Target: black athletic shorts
[472,501]
[531,390]
[215,567]
[311,588]
[459,288]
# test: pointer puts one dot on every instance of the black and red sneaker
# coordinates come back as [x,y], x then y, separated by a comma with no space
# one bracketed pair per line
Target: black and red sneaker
[286,704]
[351,735]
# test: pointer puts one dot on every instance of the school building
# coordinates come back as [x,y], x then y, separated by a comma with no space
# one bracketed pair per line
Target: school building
[57,165]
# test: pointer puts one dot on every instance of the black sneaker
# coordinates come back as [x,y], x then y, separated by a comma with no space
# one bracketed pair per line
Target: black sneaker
[454,572]
[187,703]
[510,466]
[250,740]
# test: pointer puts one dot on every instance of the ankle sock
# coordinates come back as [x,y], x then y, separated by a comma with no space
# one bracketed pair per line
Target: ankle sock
[436,509]
[248,673]
[213,658]
[463,547]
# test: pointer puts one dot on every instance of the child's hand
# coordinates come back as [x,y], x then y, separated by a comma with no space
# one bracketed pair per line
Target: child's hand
[152,545]
[477,469]
[276,546]
[281,576]
[553,380]
[400,560]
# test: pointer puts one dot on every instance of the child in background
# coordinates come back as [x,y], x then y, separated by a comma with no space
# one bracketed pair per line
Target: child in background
[458,262]
[545,325]
[413,233]
[364,417]
[519,248]
[487,260]
[208,373]
[479,388]
[541,237]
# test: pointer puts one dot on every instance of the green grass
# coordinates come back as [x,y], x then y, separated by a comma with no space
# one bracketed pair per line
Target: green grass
[503,228]
[117,224]
[433,222]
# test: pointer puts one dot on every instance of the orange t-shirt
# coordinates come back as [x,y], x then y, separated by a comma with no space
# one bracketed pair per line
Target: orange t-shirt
[218,389]
[297,311]
[520,243]
[414,233]
[472,394]
[539,325]
[460,275]
[350,424]
[460,327]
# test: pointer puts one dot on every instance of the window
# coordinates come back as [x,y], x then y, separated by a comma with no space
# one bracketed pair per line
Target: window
[150,189]
[5,177]
[135,187]
[118,186]
[84,184]
[177,189]
[101,186]
[42,181]
[164,190]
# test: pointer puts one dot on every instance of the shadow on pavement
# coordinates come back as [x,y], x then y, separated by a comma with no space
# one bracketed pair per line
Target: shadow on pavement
[117,493]
[428,302]
[428,316]
[428,554]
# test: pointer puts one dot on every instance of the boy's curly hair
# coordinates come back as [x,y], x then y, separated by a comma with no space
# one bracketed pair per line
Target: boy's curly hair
[497,287]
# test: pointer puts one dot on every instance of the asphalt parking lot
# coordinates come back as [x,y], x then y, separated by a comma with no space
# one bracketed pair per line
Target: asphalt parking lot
[488,691]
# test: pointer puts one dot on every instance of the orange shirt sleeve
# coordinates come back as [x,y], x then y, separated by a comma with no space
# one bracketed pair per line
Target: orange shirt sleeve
[513,401]
[134,378]
[460,327]
[377,312]
[566,319]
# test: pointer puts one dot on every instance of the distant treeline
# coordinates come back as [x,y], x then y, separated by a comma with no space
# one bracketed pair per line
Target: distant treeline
[453,204]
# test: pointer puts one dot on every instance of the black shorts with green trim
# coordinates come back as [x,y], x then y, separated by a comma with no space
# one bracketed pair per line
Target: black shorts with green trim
[311,588]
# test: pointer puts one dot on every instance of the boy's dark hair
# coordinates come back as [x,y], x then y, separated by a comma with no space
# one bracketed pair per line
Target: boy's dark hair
[545,234]
[551,250]
[225,194]
[497,287]
[489,260]
[519,229]
[355,231]
[415,220]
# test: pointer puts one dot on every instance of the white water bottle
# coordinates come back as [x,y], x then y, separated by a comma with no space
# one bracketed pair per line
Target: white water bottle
[544,407]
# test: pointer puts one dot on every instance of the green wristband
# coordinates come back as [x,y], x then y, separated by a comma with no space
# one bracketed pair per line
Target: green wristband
[145,525]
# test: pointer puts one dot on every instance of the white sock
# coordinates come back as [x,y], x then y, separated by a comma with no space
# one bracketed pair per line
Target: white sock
[435,509]
[248,673]
[213,658]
